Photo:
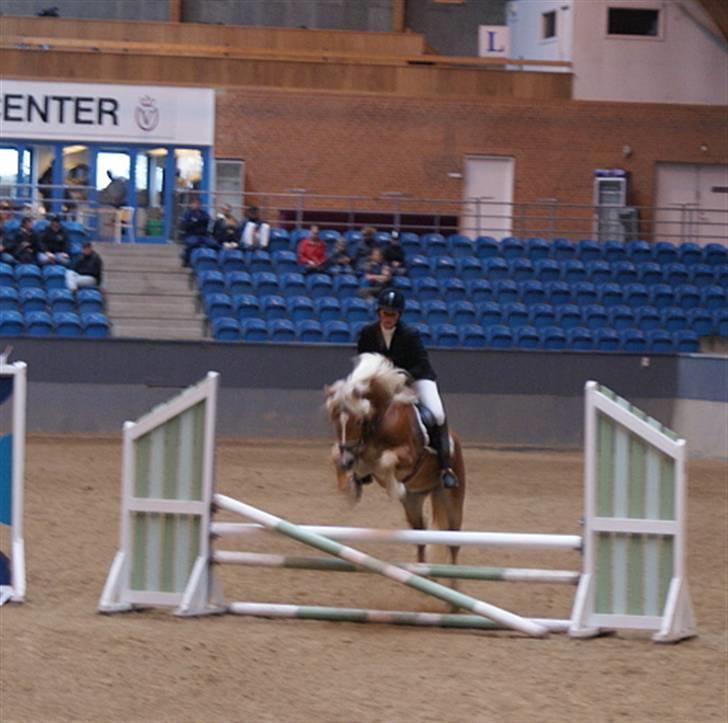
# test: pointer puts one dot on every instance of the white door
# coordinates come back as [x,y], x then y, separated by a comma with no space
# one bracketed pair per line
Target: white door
[712,214]
[488,196]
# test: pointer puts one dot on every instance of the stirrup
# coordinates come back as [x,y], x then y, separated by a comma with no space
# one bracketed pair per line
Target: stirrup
[449,479]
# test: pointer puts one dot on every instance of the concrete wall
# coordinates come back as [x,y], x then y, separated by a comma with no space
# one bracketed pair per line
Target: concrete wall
[525,19]
[98,9]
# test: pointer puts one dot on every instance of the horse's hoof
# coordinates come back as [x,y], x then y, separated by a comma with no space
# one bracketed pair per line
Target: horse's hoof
[355,491]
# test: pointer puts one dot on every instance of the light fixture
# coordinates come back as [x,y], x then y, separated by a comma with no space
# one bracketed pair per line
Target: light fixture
[454,174]
[627,150]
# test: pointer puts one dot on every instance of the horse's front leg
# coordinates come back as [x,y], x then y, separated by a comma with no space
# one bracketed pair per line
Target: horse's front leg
[345,478]
[386,472]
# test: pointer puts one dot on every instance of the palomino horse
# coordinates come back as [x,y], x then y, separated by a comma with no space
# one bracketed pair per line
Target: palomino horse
[379,434]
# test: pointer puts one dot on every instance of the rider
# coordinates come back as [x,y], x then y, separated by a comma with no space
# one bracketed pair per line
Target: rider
[403,346]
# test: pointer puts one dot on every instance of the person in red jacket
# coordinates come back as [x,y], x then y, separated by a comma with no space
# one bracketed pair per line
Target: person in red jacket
[312,252]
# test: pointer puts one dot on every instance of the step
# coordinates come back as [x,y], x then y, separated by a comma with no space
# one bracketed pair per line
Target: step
[146,282]
[135,264]
[158,306]
[115,251]
[160,328]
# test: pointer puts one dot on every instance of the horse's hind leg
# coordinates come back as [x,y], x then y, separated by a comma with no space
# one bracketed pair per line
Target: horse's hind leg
[414,503]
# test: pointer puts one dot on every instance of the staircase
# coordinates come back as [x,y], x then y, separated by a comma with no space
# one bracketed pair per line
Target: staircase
[149,294]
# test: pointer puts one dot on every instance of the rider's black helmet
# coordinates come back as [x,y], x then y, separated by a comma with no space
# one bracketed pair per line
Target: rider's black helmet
[391,300]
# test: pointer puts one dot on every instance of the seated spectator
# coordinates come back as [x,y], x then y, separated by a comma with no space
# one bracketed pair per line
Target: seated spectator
[364,249]
[55,243]
[256,232]
[312,252]
[5,255]
[6,213]
[339,262]
[25,247]
[225,231]
[194,227]
[394,256]
[376,273]
[86,270]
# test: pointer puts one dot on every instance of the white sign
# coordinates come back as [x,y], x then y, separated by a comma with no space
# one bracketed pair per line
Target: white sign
[106,113]
[494,41]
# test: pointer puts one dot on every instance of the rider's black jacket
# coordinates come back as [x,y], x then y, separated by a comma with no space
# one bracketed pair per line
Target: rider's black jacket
[406,350]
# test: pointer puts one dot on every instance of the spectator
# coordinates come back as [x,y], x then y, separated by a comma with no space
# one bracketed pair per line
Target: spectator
[25,247]
[364,249]
[394,256]
[256,232]
[55,243]
[339,262]
[87,270]
[376,274]
[225,231]
[6,213]
[194,226]
[312,252]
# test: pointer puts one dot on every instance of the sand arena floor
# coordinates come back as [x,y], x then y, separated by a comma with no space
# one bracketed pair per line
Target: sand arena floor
[60,661]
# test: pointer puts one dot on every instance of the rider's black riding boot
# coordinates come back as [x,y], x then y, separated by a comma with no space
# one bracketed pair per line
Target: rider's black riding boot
[442,447]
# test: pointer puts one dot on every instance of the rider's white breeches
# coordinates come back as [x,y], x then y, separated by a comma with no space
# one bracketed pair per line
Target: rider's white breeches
[428,394]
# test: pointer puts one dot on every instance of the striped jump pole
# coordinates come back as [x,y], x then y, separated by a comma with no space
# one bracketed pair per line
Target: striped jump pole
[428,587]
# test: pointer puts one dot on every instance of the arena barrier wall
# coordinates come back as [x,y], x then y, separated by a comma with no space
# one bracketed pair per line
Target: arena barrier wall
[12,472]
[633,566]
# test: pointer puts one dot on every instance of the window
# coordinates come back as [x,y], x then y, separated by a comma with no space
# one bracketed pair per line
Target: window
[548,24]
[633,21]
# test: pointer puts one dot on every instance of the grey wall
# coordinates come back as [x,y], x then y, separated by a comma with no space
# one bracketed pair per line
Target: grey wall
[92,9]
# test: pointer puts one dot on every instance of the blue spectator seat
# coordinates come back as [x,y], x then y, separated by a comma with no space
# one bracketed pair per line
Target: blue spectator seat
[95,325]
[284,261]
[713,297]
[558,293]
[526,337]
[356,327]
[278,240]
[480,290]
[610,294]
[687,296]
[74,250]
[281,330]
[410,243]
[427,288]
[573,271]
[547,270]
[32,299]
[356,309]
[580,339]
[248,306]
[443,267]
[329,236]
[40,226]
[239,282]
[614,251]
[633,340]
[648,318]
[381,237]
[512,247]
[568,316]
[435,311]
[499,336]
[521,269]
[468,268]
[319,285]
[67,324]
[562,249]
[38,323]
[12,225]
[445,335]
[472,336]
[589,250]
[401,283]
[701,275]
[674,319]
[715,254]
[453,289]
[301,307]
[418,267]
[353,236]
[595,316]
[625,272]
[585,293]
[328,308]
[721,275]
[542,315]
[253,330]
[54,276]
[506,291]
[296,236]
[495,269]
[61,300]
[720,322]
[76,232]
[204,259]
[433,244]
[231,260]
[606,340]
[28,275]
[260,261]
[9,298]
[347,285]
[336,332]
[649,273]
[460,246]
[486,247]
[309,331]
[661,296]
[515,314]
[293,283]
[218,305]
[412,312]
[553,337]
[598,272]
[675,274]
[686,342]
[637,294]
[660,341]
[90,301]
[211,282]
[425,332]
[690,253]
[665,253]
[639,252]
[622,317]
[463,312]
[532,292]
[537,249]
[273,306]
[700,321]
[7,275]
[489,313]
[225,329]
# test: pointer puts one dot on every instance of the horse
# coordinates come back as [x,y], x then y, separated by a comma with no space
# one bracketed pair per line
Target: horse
[379,434]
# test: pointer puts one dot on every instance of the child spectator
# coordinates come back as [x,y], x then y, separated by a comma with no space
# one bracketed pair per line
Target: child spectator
[312,252]
[339,262]
[55,243]
[364,249]
[194,226]
[225,231]
[87,270]
[394,256]
[256,232]
[376,273]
